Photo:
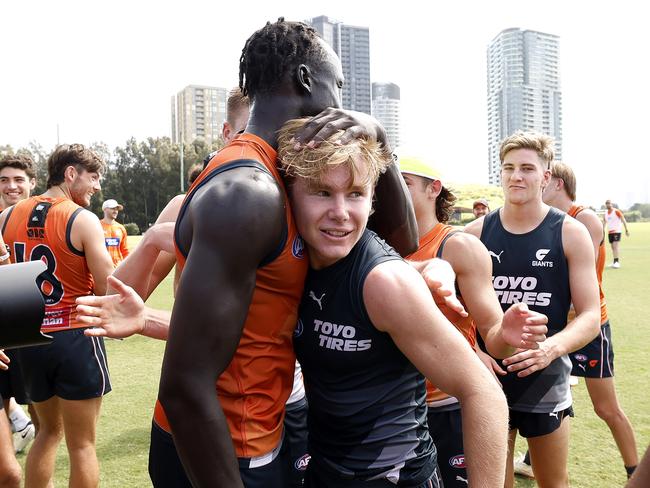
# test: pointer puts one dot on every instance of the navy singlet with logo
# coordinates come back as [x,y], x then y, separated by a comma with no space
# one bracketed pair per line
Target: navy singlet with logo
[533,269]
[367,402]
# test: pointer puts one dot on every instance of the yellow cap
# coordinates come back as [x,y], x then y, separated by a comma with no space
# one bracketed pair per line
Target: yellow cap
[419,166]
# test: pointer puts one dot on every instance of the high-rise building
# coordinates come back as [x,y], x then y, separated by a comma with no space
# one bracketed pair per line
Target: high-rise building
[385,108]
[523,83]
[352,44]
[198,112]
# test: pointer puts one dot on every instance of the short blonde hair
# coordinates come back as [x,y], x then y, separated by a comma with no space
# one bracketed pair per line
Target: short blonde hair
[564,172]
[535,141]
[311,163]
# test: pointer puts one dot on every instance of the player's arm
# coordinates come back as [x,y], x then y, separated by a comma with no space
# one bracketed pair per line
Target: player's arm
[502,334]
[583,283]
[622,217]
[124,243]
[4,252]
[398,302]
[590,220]
[87,236]
[394,217]
[210,310]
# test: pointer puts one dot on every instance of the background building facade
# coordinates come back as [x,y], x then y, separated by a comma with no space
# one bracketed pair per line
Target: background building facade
[523,84]
[386,109]
[352,44]
[198,112]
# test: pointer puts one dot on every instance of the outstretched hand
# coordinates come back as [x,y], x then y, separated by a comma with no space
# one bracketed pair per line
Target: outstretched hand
[4,359]
[441,279]
[116,316]
[523,328]
[331,120]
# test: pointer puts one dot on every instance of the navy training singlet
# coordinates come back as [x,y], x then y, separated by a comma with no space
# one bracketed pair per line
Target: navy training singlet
[532,268]
[367,402]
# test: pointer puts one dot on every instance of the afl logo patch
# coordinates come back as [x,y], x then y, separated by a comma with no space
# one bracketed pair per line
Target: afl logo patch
[580,357]
[298,247]
[299,329]
[302,462]
[457,461]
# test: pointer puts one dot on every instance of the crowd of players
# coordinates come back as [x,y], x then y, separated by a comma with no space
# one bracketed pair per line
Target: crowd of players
[273,252]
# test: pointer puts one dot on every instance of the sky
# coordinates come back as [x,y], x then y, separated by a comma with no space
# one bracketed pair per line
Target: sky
[106,71]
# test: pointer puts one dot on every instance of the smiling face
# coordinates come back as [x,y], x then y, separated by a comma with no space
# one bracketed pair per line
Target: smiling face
[15,185]
[331,213]
[82,184]
[523,176]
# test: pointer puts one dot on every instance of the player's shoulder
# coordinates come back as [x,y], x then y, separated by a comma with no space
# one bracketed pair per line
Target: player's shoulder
[475,227]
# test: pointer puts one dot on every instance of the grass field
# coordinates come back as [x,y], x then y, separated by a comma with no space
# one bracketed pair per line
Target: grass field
[123,433]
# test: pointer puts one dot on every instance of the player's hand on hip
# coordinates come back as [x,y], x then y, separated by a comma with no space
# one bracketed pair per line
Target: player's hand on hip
[116,316]
[522,327]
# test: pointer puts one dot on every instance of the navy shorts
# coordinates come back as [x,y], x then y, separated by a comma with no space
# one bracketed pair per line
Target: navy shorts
[537,424]
[12,383]
[596,359]
[614,237]
[295,441]
[445,427]
[72,367]
[166,469]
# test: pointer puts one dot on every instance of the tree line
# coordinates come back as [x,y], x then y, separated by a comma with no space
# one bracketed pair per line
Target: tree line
[142,176]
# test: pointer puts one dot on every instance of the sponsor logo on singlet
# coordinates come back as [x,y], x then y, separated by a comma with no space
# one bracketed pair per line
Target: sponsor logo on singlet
[540,255]
[112,241]
[580,357]
[302,462]
[36,233]
[457,461]
[339,337]
[298,248]
[299,329]
[516,289]
[496,256]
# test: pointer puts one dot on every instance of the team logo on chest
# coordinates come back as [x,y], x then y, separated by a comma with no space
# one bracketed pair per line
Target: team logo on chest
[540,255]
[298,248]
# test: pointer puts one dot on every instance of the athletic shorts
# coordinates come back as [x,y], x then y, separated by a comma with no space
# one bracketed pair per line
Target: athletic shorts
[446,430]
[72,367]
[295,441]
[614,237]
[166,469]
[596,359]
[317,476]
[12,383]
[537,424]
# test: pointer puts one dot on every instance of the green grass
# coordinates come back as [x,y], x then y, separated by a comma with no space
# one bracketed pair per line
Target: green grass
[123,432]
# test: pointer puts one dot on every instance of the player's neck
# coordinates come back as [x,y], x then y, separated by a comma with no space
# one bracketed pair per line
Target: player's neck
[108,221]
[58,191]
[519,218]
[563,203]
[268,114]
[426,223]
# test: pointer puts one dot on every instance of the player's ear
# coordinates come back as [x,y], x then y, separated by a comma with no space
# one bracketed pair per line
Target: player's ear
[304,77]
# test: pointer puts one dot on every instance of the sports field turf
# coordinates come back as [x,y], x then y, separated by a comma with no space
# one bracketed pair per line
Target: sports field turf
[123,433]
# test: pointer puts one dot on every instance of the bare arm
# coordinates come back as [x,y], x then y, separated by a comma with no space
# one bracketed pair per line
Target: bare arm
[205,331]
[502,334]
[578,250]
[398,302]
[3,246]
[87,236]
[124,243]
[590,220]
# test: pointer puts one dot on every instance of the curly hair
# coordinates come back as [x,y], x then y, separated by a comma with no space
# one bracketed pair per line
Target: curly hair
[19,161]
[311,163]
[76,155]
[273,51]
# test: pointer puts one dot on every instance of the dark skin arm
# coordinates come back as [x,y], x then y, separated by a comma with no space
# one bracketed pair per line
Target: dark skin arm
[204,331]
[394,217]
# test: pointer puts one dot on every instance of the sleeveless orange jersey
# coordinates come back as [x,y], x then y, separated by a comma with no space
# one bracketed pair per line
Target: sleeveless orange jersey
[600,266]
[428,248]
[39,228]
[115,239]
[256,385]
